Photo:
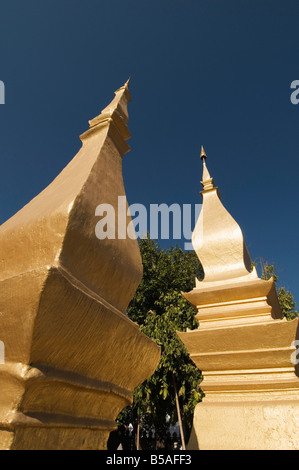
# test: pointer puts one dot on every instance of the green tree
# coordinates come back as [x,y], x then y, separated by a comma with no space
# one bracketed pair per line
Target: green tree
[285,298]
[160,310]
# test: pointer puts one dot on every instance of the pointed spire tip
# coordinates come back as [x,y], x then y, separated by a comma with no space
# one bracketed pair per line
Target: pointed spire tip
[203,155]
[124,87]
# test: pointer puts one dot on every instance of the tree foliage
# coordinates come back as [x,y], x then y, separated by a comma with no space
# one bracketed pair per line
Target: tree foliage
[285,298]
[160,310]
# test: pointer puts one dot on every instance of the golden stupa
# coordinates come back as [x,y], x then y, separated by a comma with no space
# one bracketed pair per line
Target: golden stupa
[72,356]
[242,345]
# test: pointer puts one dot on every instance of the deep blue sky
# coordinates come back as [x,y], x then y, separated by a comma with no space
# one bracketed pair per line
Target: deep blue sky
[209,72]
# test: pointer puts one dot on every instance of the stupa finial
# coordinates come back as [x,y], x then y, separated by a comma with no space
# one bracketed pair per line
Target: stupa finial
[203,154]
[207,181]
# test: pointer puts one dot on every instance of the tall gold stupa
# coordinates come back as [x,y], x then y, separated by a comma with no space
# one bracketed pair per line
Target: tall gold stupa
[242,345]
[73,358]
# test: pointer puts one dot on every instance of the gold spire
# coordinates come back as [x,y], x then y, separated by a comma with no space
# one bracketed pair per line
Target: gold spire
[116,109]
[125,86]
[217,238]
[203,155]
[207,181]
[116,116]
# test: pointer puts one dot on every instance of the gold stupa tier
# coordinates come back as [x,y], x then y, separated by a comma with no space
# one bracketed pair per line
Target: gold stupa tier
[72,356]
[242,345]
